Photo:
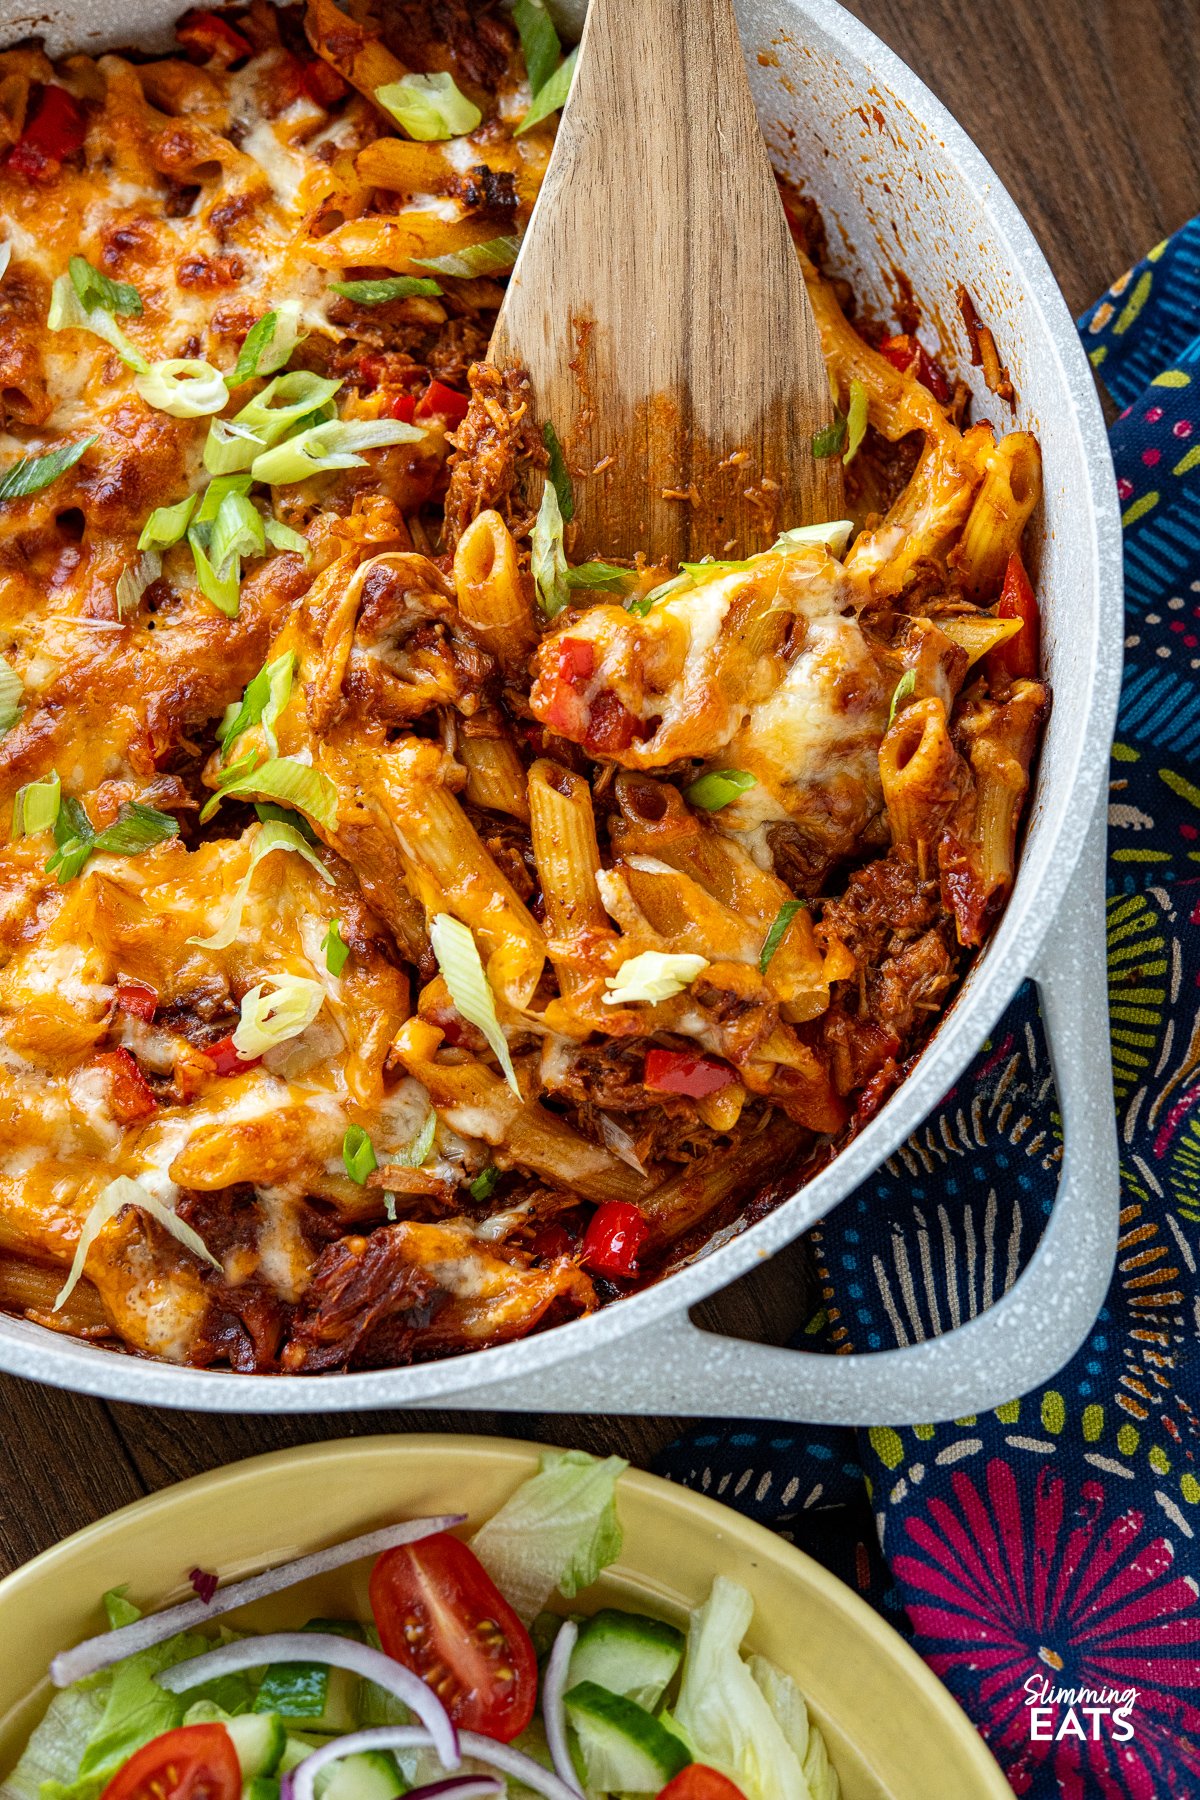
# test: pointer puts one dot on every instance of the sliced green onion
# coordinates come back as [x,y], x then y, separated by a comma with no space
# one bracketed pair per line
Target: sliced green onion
[609,577]
[132,583]
[217,491]
[283,403]
[560,475]
[67,314]
[187,387]
[700,571]
[464,975]
[484,1184]
[237,531]
[336,949]
[358,1154]
[11,694]
[416,1154]
[774,937]
[835,536]
[495,257]
[268,837]
[229,446]
[856,420]
[830,439]
[135,828]
[904,688]
[551,95]
[95,289]
[389,1207]
[167,524]
[653,976]
[36,807]
[263,701]
[334,445]
[548,559]
[30,474]
[268,344]
[285,815]
[224,590]
[270,1019]
[429,107]
[288,783]
[640,605]
[389,287]
[540,42]
[117,1195]
[718,787]
[73,840]
[282,537]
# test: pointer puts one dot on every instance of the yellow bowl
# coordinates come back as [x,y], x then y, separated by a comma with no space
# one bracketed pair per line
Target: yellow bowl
[893,1731]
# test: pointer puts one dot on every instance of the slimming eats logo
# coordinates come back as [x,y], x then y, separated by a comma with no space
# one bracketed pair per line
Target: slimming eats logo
[1056,1713]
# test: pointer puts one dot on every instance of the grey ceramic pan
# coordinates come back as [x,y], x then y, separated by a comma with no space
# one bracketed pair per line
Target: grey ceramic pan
[901,186]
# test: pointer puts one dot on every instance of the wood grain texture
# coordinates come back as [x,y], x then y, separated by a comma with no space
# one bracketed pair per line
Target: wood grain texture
[657,303]
[1090,112]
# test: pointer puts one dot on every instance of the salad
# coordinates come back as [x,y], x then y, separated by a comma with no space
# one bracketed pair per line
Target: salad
[471,1680]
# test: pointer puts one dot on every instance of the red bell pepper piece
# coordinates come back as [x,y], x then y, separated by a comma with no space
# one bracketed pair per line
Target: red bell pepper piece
[53,132]
[403,407]
[138,1000]
[1019,656]
[443,402]
[212,38]
[678,1072]
[615,1234]
[225,1059]
[552,1241]
[904,351]
[130,1096]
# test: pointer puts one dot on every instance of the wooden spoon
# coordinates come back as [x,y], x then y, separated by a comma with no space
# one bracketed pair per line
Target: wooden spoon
[658,305]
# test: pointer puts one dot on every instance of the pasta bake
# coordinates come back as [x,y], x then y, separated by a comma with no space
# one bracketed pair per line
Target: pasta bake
[413,932]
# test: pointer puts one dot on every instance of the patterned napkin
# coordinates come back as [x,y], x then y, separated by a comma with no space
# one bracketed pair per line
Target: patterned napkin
[1055,1543]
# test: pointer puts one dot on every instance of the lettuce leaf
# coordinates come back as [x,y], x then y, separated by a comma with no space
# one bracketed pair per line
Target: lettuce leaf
[724,1712]
[789,1707]
[559,1530]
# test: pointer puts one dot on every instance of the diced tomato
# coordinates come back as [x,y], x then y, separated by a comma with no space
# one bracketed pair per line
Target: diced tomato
[678,1072]
[225,1058]
[1019,656]
[611,726]
[615,1235]
[138,1000]
[196,1762]
[370,368]
[439,1613]
[904,351]
[576,659]
[699,1782]
[551,1241]
[129,1093]
[403,407]
[212,38]
[443,402]
[54,130]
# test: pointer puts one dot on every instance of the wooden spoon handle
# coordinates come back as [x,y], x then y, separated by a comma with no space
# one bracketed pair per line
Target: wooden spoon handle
[657,302]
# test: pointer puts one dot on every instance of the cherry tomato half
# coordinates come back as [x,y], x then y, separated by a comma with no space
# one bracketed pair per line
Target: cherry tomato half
[678,1072]
[1019,655]
[440,1614]
[197,1762]
[699,1782]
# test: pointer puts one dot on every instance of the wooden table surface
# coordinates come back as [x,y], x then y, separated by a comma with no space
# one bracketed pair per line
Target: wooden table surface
[1090,112]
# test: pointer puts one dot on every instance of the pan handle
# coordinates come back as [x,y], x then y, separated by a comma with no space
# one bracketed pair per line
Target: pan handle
[1017,1344]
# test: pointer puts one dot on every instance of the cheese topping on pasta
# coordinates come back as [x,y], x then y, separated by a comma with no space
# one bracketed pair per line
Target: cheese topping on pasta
[399,953]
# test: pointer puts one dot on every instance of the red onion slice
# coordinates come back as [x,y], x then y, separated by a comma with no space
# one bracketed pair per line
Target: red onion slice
[100,1652]
[408,1737]
[339,1653]
[554,1716]
[459,1787]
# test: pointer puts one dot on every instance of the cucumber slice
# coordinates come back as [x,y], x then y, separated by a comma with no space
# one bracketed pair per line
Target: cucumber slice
[312,1696]
[370,1775]
[260,1787]
[628,1654]
[295,1750]
[259,1739]
[624,1748]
